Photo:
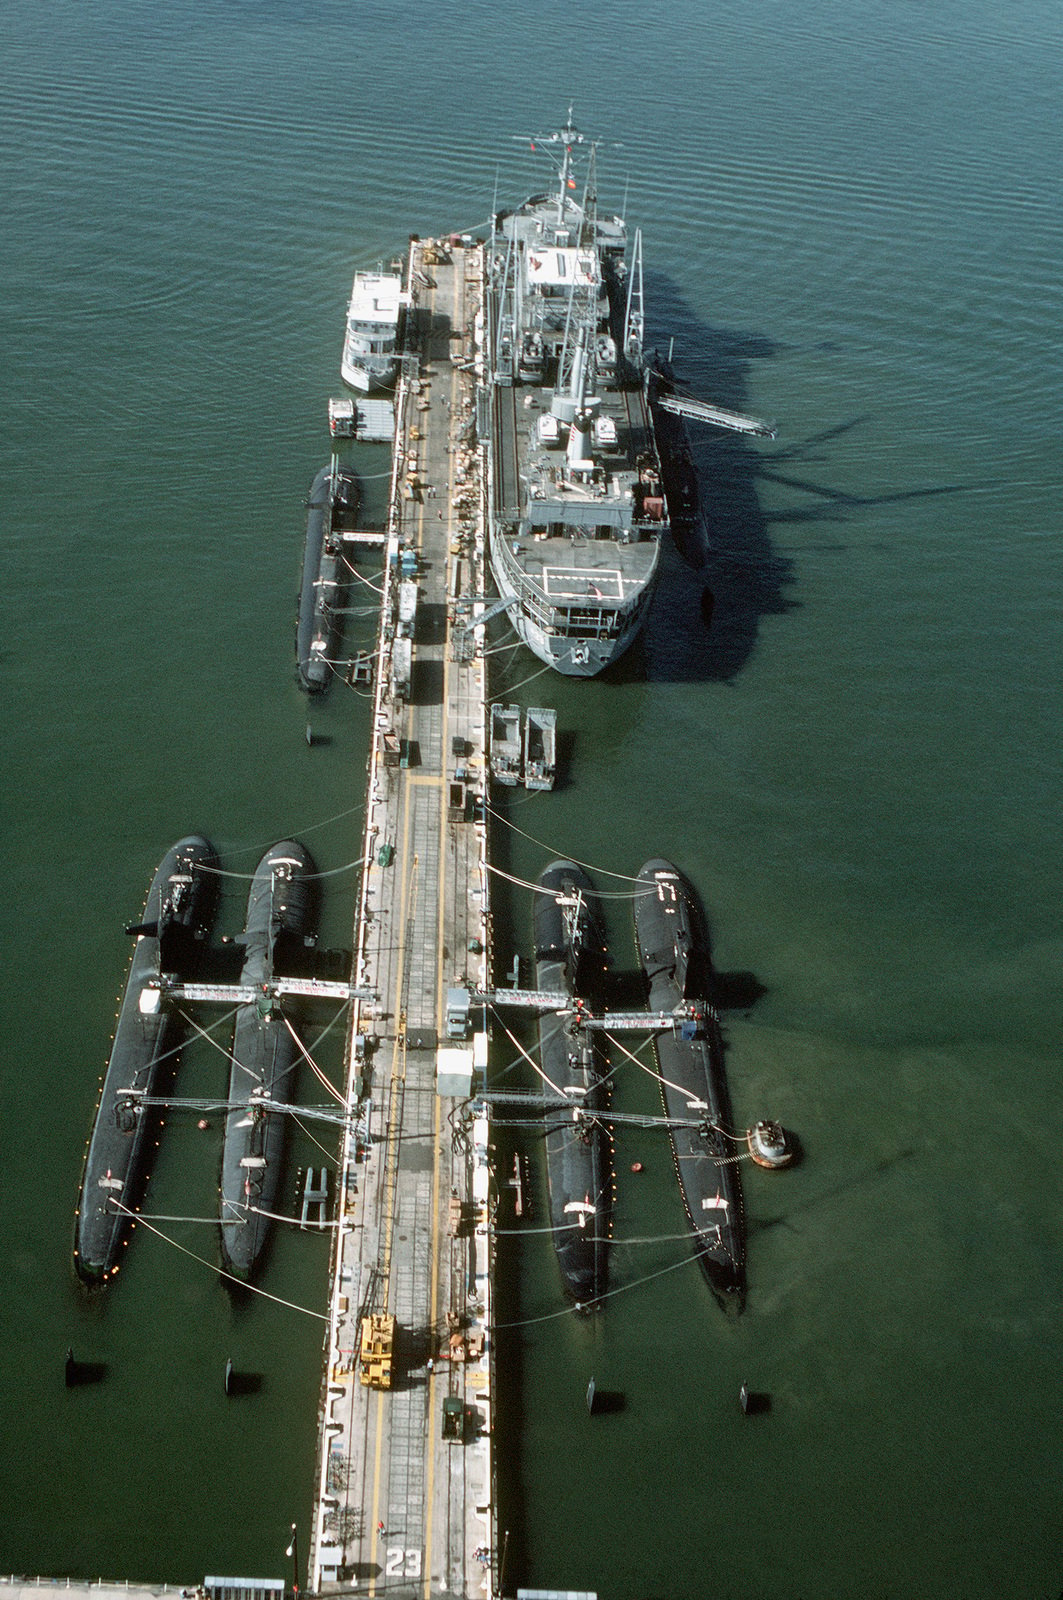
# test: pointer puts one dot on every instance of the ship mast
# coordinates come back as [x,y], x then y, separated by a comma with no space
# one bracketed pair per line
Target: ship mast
[567,137]
[634,320]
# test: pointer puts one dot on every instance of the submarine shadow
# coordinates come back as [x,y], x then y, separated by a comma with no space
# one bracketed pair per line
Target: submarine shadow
[608,1403]
[737,991]
[80,1373]
[719,577]
[244,1383]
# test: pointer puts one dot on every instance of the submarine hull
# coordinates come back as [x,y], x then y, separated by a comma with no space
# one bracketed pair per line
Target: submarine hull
[569,959]
[170,938]
[332,510]
[281,913]
[673,948]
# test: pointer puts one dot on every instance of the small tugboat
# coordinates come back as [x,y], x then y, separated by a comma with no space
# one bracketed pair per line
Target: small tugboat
[570,959]
[280,914]
[170,938]
[332,511]
[673,949]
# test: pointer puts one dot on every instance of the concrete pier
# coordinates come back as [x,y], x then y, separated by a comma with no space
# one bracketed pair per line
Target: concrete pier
[404,1502]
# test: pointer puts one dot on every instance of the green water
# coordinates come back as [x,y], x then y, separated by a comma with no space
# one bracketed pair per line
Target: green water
[852,224]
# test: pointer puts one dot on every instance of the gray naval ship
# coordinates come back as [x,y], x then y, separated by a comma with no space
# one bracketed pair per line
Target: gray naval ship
[579,493]
[577,505]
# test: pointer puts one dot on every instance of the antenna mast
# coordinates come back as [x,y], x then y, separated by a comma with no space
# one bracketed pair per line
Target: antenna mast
[634,317]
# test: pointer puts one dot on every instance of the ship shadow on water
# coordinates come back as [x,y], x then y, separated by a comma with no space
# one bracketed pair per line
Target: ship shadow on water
[718,579]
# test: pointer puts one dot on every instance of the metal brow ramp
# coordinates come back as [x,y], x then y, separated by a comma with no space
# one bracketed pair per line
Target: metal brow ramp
[702,411]
[134,1099]
[528,1100]
[240,994]
[495,609]
[548,1000]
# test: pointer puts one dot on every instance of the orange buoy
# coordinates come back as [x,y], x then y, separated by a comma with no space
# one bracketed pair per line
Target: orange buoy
[636,1166]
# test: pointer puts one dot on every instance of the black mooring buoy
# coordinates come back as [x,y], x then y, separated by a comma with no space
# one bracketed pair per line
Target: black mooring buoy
[71,1368]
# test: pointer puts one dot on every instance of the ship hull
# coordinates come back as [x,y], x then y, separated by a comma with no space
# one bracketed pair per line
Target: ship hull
[180,905]
[362,381]
[331,510]
[573,658]
[674,954]
[280,914]
[577,1148]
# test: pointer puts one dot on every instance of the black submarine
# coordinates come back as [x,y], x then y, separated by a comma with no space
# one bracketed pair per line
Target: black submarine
[170,939]
[570,959]
[281,912]
[332,511]
[674,952]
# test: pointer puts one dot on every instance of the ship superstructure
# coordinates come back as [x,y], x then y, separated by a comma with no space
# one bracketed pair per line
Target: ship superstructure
[577,502]
[371,341]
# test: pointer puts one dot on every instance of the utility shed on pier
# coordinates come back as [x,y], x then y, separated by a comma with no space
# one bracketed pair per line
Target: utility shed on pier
[454,1071]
